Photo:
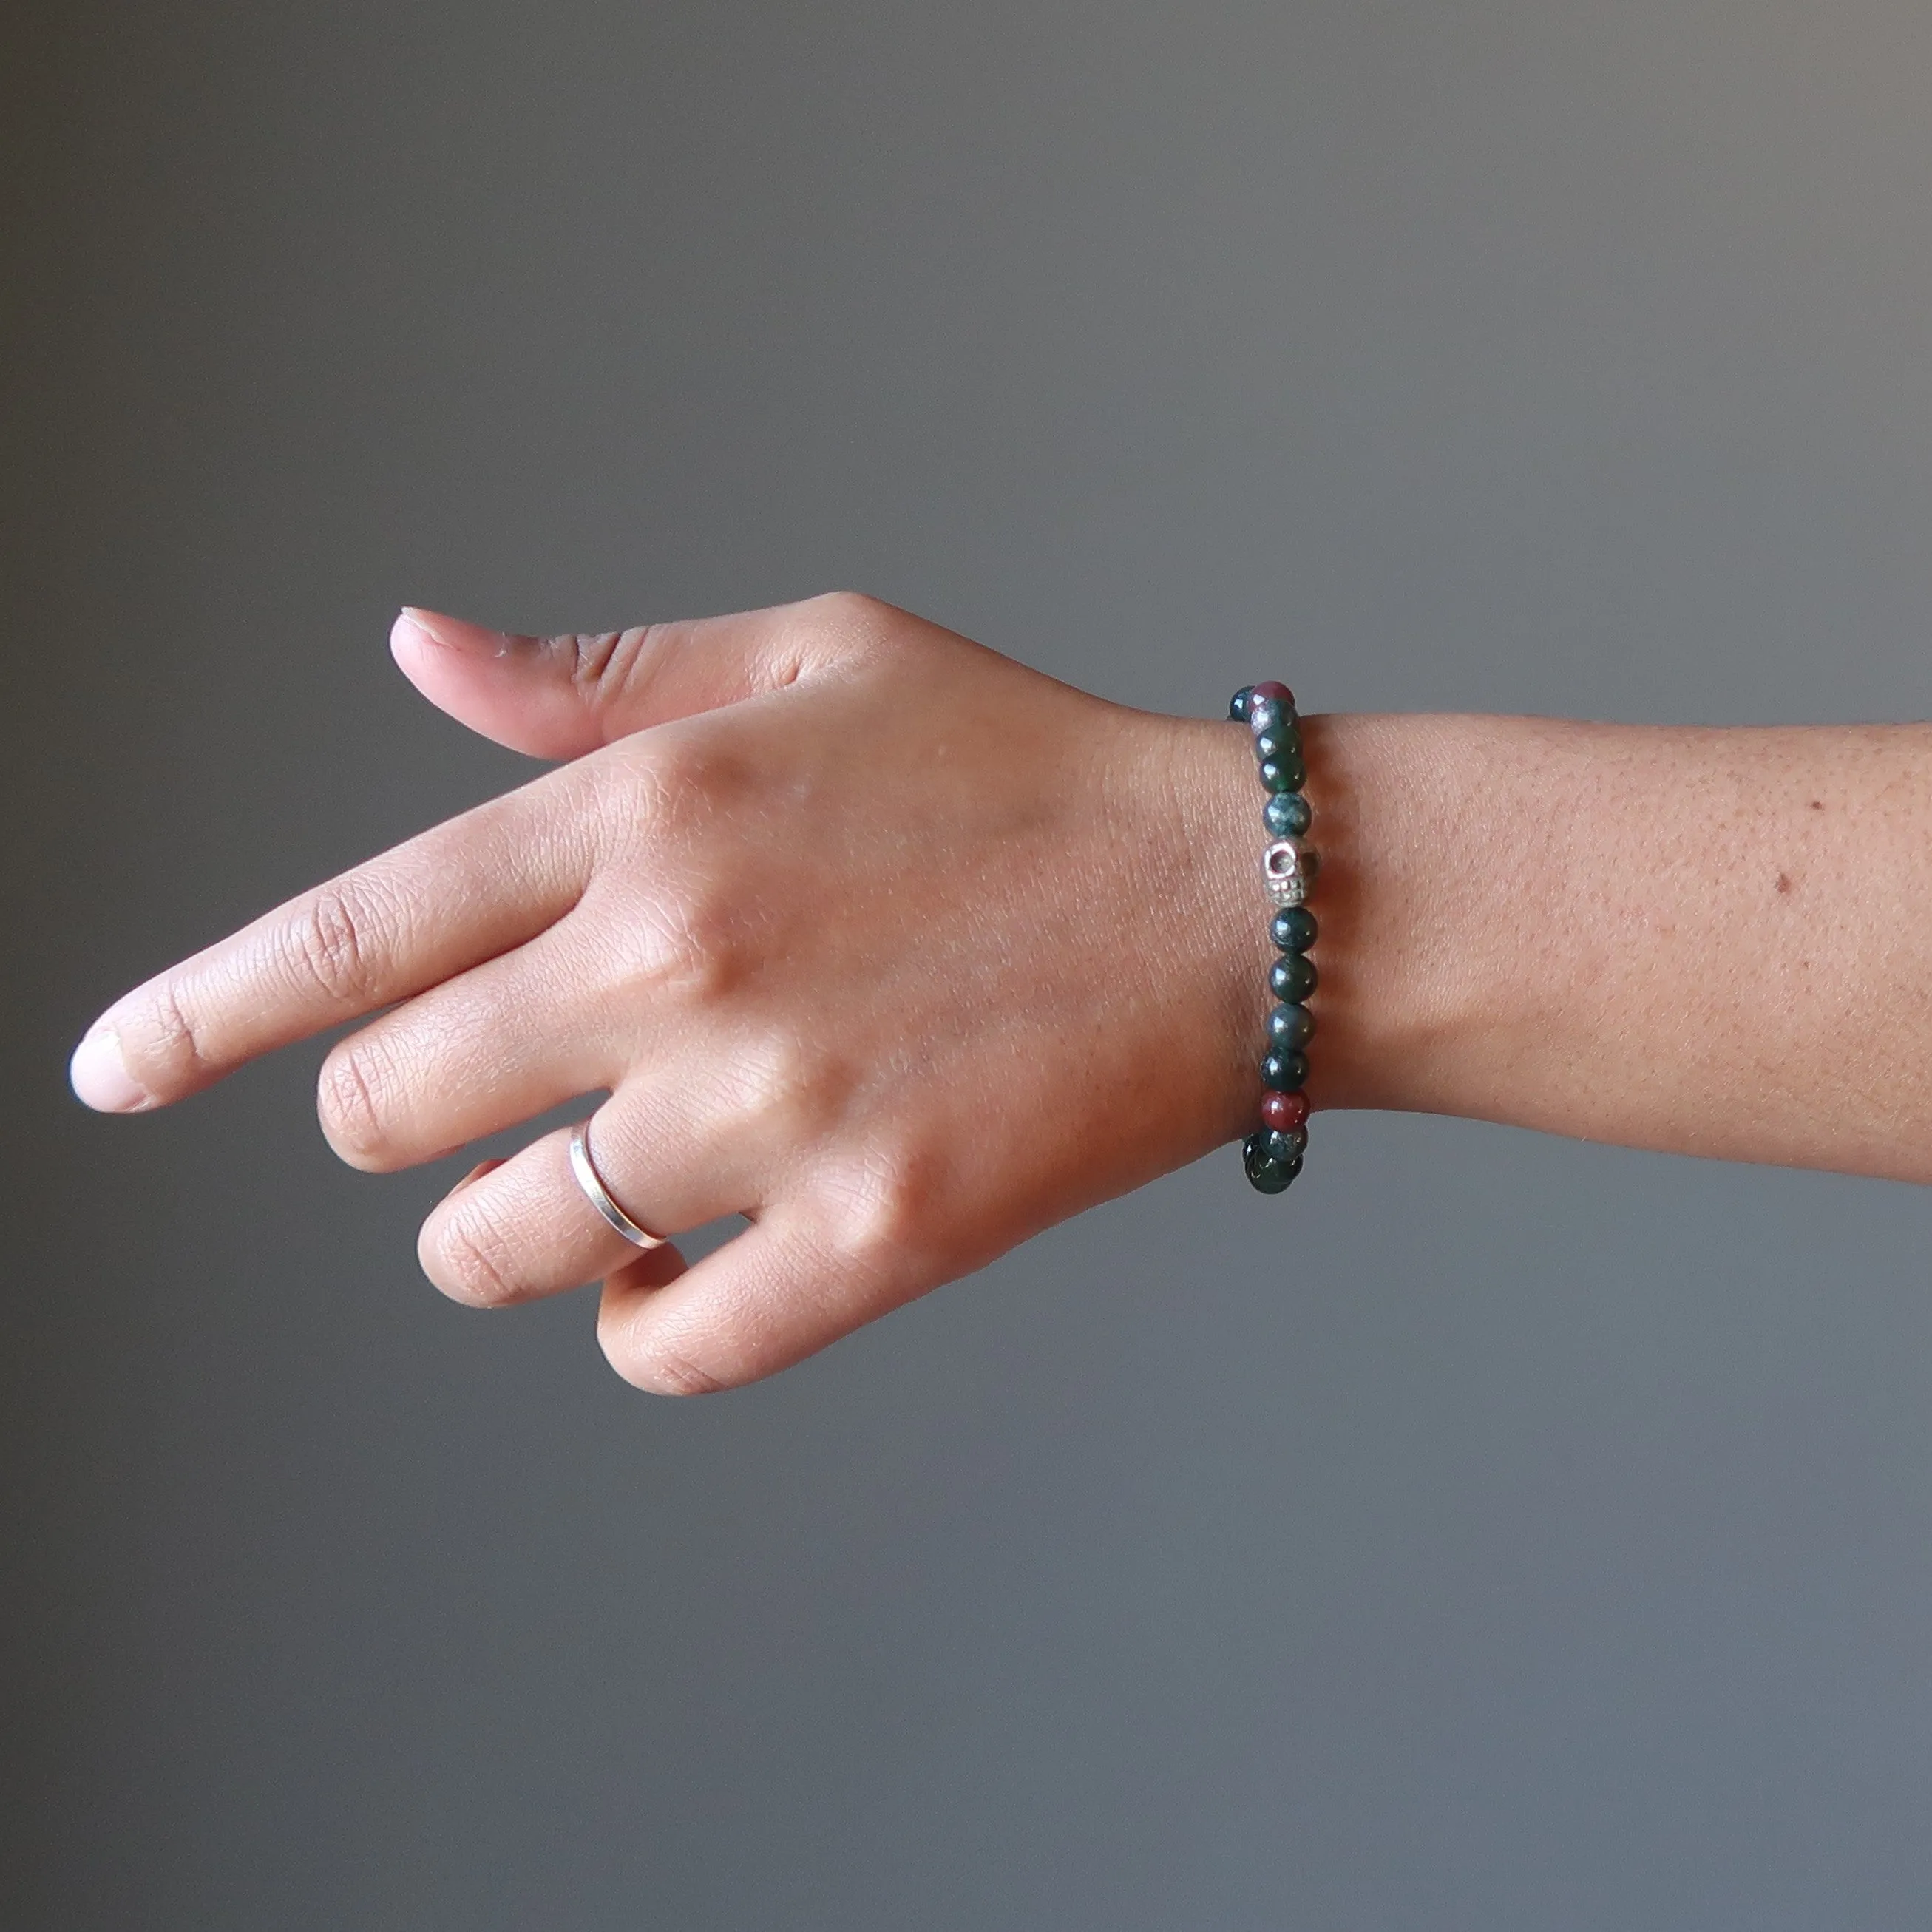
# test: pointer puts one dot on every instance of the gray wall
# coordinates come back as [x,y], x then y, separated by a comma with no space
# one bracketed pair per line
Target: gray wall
[1503,1532]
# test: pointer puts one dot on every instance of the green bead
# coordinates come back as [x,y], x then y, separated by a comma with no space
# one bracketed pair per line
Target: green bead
[1284,1071]
[1290,1027]
[1285,773]
[1294,810]
[1265,1174]
[1276,816]
[1292,977]
[1293,929]
[1272,744]
[1269,1167]
[1237,705]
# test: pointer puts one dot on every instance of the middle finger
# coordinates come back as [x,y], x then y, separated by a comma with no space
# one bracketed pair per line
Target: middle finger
[468,1058]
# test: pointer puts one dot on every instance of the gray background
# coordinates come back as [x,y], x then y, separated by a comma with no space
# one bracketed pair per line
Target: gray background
[1506,1532]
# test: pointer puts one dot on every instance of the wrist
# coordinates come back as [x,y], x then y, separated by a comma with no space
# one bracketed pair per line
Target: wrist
[1416,955]
[1396,987]
[1219,950]
[1451,850]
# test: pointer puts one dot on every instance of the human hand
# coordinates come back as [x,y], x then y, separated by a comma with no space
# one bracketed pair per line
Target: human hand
[899,948]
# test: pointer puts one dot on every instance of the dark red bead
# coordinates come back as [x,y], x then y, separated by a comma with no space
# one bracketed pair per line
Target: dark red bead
[1284,1111]
[1279,693]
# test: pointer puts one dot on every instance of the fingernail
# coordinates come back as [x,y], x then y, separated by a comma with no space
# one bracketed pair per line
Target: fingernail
[454,634]
[100,1076]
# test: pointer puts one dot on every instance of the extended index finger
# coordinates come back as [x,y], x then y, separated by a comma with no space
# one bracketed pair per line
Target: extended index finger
[453,896]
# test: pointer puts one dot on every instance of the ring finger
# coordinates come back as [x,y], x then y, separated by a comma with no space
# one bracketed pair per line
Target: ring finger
[527,1228]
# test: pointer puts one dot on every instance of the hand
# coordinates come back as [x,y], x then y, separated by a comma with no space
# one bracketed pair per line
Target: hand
[898,948]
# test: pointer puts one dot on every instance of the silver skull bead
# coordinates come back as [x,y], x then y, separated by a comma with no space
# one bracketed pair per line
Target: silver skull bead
[1286,870]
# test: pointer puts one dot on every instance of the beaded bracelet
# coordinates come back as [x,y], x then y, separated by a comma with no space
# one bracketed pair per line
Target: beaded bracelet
[1272,1155]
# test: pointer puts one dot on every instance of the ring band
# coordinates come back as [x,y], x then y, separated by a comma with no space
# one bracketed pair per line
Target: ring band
[599,1195]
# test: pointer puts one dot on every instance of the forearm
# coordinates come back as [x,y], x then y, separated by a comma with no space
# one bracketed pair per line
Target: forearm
[1710,941]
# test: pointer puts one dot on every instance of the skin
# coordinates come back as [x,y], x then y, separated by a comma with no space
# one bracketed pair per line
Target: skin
[906,951]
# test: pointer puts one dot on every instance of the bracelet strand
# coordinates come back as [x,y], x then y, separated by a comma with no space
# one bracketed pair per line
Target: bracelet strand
[1272,1154]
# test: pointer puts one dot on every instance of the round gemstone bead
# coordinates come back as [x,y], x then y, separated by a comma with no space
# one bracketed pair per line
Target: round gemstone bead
[1292,977]
[1284,1070]
[1272,1159]
[1290,1026]
[1284,1112]
[1275,815]
[1265,1175]
[1295,808]
[1272,744]
[1237,705]
[1265,715]
[1293,929]
[1285,774]
[1271,688]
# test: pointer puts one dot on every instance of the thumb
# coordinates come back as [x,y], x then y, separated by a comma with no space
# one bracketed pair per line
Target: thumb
[561,696]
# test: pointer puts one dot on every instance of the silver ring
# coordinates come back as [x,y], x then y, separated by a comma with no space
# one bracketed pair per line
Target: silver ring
[599,1195]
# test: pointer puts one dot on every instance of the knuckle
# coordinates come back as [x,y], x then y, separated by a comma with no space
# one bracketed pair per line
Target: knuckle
[353,1100]
[692,773]
[661,792]
[468,1260]
[847,610]
[676,1374]
[607,665]
[652,1358]
[675,869]
[663,1372]
[855,627]
[881,1213]
[704,947]
[335,942]
[166,1045]
[782,1078]
[680,943]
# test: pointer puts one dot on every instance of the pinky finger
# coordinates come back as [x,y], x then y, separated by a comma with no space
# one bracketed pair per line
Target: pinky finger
[765,1299]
